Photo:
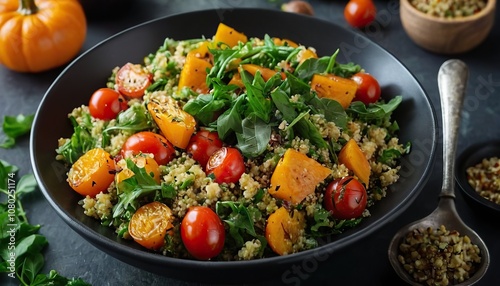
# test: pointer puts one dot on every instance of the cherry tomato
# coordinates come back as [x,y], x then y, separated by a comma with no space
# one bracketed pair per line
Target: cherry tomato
[149,142]
[202,145]
[360,13]
[149,225]
[92,173]
[106,103]
[368,88]
[133,80]
[345,198]
[202,232]
[226,164]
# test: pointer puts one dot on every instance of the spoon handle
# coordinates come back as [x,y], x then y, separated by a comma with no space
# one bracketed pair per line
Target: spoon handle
[452,82]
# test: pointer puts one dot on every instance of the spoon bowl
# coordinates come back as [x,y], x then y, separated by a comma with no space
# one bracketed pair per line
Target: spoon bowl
[452,79]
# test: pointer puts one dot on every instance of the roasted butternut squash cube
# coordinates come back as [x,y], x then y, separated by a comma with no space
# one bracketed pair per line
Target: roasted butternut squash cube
[174,123]
[355,160]
[228,36]
[194,74]
[283,229]
[296,176]
[335,87]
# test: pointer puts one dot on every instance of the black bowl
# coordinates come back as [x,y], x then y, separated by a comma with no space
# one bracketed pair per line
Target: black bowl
[77,82]
[471,156]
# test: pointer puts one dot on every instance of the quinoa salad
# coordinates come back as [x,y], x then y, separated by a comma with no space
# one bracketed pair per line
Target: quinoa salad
[233,147]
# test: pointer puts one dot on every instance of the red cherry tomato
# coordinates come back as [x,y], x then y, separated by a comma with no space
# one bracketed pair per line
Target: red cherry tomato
[149,142]
[106,103]
[345,198]
[360,13]
[133,80]
[226,164]
[368,88]
[202,145]
[202,232]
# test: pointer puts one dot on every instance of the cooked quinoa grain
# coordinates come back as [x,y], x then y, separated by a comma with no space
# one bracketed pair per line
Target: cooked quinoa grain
[438,256]
[484,178]
[449,8]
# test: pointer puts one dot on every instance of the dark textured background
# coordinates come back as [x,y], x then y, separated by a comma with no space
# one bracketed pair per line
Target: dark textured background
[363,263]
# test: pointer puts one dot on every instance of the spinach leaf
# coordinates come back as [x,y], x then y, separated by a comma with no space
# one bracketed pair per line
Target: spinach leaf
[253,139]
[14,127]
[377,113]
[203,107]
[134,119]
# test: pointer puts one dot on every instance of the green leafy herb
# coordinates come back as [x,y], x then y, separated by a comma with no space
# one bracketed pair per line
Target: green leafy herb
[80,142]
[240,220]
[134,119]
[14,127]
[141,184]
[23,258]
[376,113]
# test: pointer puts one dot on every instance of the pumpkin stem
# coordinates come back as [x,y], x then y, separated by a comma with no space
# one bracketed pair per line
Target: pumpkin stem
[27,7]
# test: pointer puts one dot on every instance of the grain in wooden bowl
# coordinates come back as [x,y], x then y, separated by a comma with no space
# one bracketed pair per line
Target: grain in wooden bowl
[448,26]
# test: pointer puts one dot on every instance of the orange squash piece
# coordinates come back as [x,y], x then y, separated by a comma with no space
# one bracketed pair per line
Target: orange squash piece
[228,36]
[355,160]
[306,54]
[335,87]
[175,124]
[282,42]
[266,73]
[296,176]
[283,230]
[194,74]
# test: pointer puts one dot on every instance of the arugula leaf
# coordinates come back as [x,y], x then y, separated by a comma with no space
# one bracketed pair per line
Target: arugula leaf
[139,185]
[80,142]
[255,95]
[230,121]
[204,106]
[14,127]
[240,220]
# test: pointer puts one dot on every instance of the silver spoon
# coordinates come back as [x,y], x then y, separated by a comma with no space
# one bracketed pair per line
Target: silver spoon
[452,80]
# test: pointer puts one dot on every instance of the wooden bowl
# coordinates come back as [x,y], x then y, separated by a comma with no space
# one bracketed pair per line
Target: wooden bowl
[447,36]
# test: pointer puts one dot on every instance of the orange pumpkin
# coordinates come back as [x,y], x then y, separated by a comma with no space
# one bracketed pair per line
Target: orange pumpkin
[38,35]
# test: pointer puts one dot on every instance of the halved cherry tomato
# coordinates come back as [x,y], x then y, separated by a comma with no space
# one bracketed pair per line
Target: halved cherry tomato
[226,164]
[360,13]
[105,103]
[368,88]
[202,232]
[92,173]
[149,142]
[345,198]
[150,223]
[202,145]
[133,80]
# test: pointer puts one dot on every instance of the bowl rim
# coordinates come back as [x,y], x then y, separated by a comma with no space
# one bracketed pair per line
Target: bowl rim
[471,156]
[487,10]
[142,256]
